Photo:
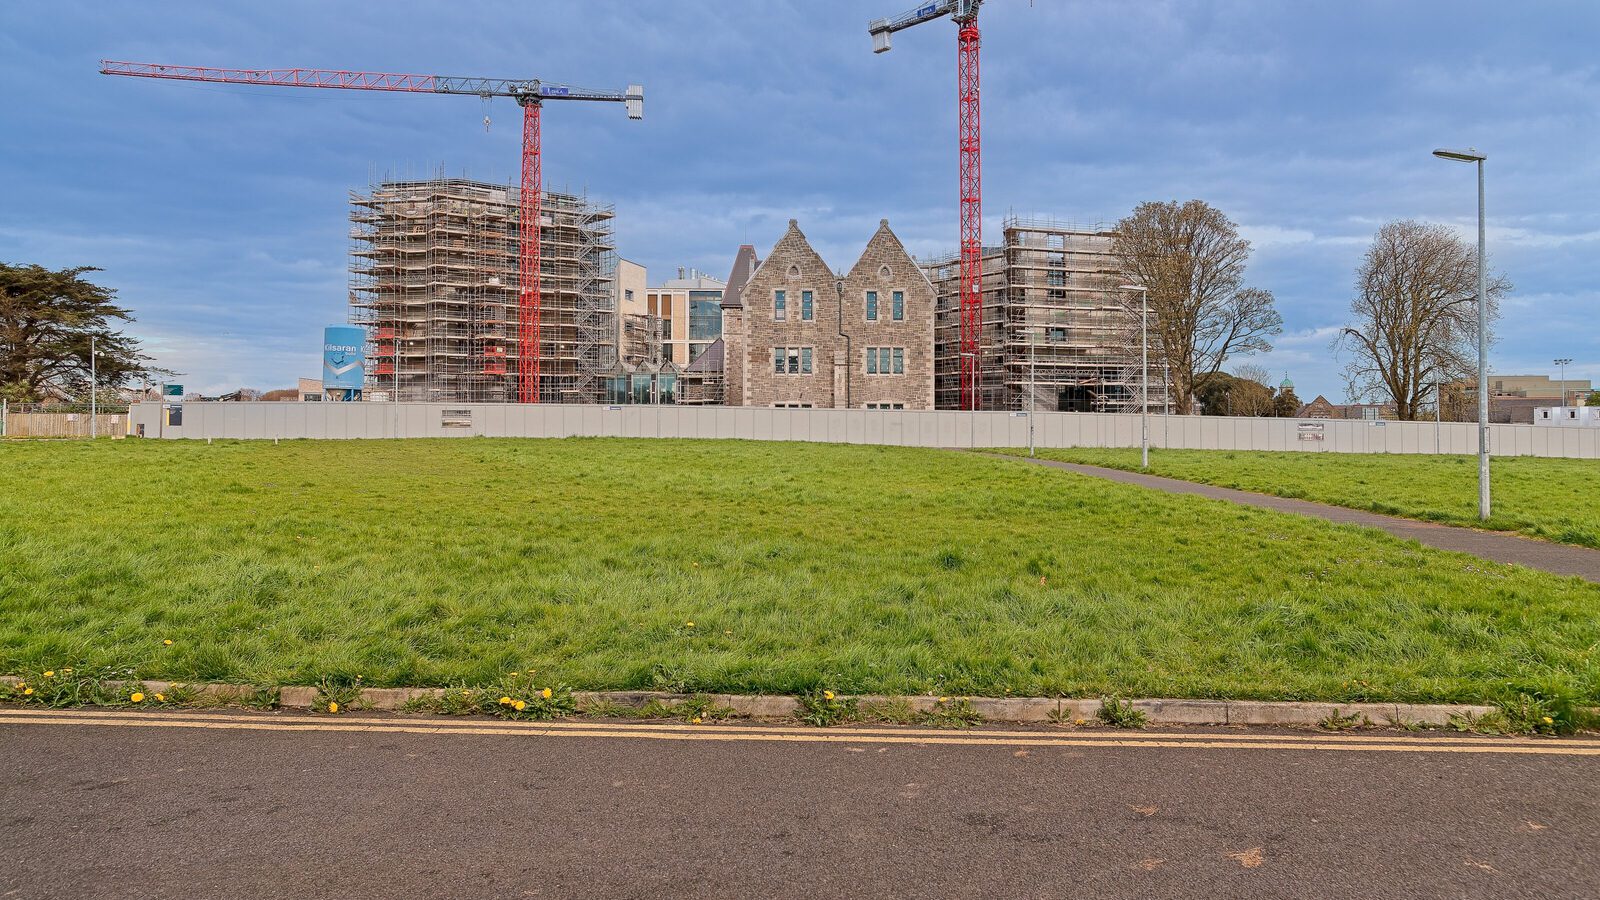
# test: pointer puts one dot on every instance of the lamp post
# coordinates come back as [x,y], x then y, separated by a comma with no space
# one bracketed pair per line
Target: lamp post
[1473,156]
[94,422]
[1144,376]
[1563,363]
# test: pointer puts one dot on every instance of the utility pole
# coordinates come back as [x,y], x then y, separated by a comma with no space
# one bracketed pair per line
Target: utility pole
[1562,403]
[94,409]
[1144,377]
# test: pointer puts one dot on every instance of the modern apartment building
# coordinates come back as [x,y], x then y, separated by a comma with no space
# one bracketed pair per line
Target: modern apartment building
[674,322]
[1056,333]
[802,335]
[434,277]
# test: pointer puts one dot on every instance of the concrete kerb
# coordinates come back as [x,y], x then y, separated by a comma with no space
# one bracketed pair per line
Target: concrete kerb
[993,709]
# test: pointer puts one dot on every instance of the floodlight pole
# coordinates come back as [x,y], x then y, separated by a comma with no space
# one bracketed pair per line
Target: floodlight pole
[1474,156]
[1562,402]
[1033,352]
[94,422]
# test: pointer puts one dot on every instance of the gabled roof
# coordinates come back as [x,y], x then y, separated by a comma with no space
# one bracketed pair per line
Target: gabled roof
[744,265]
[885,239]
[711,359]
[794,249]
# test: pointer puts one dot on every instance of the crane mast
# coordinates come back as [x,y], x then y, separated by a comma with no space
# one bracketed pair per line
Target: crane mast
[530,94]
[970,150]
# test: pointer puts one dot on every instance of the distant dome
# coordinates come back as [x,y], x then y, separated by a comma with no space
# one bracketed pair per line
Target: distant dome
[1286,385]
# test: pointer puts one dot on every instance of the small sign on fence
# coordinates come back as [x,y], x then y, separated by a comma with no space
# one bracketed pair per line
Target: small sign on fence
[1310,431]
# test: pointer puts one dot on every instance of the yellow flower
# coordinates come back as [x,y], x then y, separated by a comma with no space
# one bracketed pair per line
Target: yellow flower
[827,695]
[333,707]
[161,698]
[513,674]
[696,721]
[546,693]
[943,699]
[27,692]
[1077,721]
[466,693]
[49,674]
[66,671]
[688,624]
[167,642]
[520,705]
[1548,720]
[505,701]
[136,697]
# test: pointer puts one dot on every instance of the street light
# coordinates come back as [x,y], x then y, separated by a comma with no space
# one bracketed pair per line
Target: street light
[1144,377]
[1473,156]
[1563,363]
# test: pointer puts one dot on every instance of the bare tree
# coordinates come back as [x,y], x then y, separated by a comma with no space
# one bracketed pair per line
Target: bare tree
[1192,260]
[1253,402]
[1415,318]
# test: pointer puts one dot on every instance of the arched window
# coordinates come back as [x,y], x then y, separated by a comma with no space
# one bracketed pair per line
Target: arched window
[883,272]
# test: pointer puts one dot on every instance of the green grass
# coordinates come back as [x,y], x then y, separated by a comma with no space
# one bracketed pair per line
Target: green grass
[1554,499]
[801,566]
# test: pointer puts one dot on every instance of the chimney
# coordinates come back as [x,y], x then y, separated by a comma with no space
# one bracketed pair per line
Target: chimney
[680,271]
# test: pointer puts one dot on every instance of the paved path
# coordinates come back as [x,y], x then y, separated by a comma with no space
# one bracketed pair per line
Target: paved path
[236,804]
[1561,559]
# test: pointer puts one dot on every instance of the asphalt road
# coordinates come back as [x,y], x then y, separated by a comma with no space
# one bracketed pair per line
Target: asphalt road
[232,805]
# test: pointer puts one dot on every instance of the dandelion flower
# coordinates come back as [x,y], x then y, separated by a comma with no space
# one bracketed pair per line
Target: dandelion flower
[512,674]
[333,707]
[466,693]
[1077,721]
[546,693]
[136,697]
[66,671]
[520,705]
[696,721]
[27,692]
[49,674]
[1549,721]
[505,701]
[827,695]
[161,698]
[167,642]
[944,699]
[688,624]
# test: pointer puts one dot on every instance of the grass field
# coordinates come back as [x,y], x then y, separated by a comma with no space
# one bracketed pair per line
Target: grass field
[1554,499]
[735,566]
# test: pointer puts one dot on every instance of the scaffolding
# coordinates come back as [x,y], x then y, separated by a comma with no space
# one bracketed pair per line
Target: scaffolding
[1057,332]
[433,276]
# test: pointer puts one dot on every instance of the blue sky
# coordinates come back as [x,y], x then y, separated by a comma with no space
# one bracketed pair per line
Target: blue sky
[219,212]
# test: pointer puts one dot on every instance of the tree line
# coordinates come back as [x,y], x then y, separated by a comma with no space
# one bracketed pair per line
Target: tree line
[1411,339]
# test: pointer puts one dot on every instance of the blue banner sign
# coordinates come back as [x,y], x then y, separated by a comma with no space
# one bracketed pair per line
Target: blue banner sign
[343,357]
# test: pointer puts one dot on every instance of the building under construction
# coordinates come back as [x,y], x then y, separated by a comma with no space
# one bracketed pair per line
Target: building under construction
[433,276]
[1053,319]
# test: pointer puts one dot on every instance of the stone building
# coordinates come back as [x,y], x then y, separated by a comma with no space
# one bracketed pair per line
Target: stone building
[804,336]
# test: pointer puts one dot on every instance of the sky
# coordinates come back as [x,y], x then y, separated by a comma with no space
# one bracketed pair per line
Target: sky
[219,212]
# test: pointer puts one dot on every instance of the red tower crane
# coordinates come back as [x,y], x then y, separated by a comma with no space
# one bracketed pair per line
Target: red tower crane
[968,139]
[530,94]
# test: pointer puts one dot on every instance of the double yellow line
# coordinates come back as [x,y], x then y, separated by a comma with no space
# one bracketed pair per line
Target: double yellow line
[1197,740]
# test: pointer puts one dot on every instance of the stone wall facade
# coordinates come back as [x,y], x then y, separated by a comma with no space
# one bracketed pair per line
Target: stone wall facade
[792,345]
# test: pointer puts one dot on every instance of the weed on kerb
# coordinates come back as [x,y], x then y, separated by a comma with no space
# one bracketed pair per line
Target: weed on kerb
[948,713]
[693,710]
[1338,722]
[514,696]
[823,708]
[1119,713]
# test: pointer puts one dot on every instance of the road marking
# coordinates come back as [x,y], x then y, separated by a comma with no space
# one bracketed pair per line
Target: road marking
[308,719]
[1125,740]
